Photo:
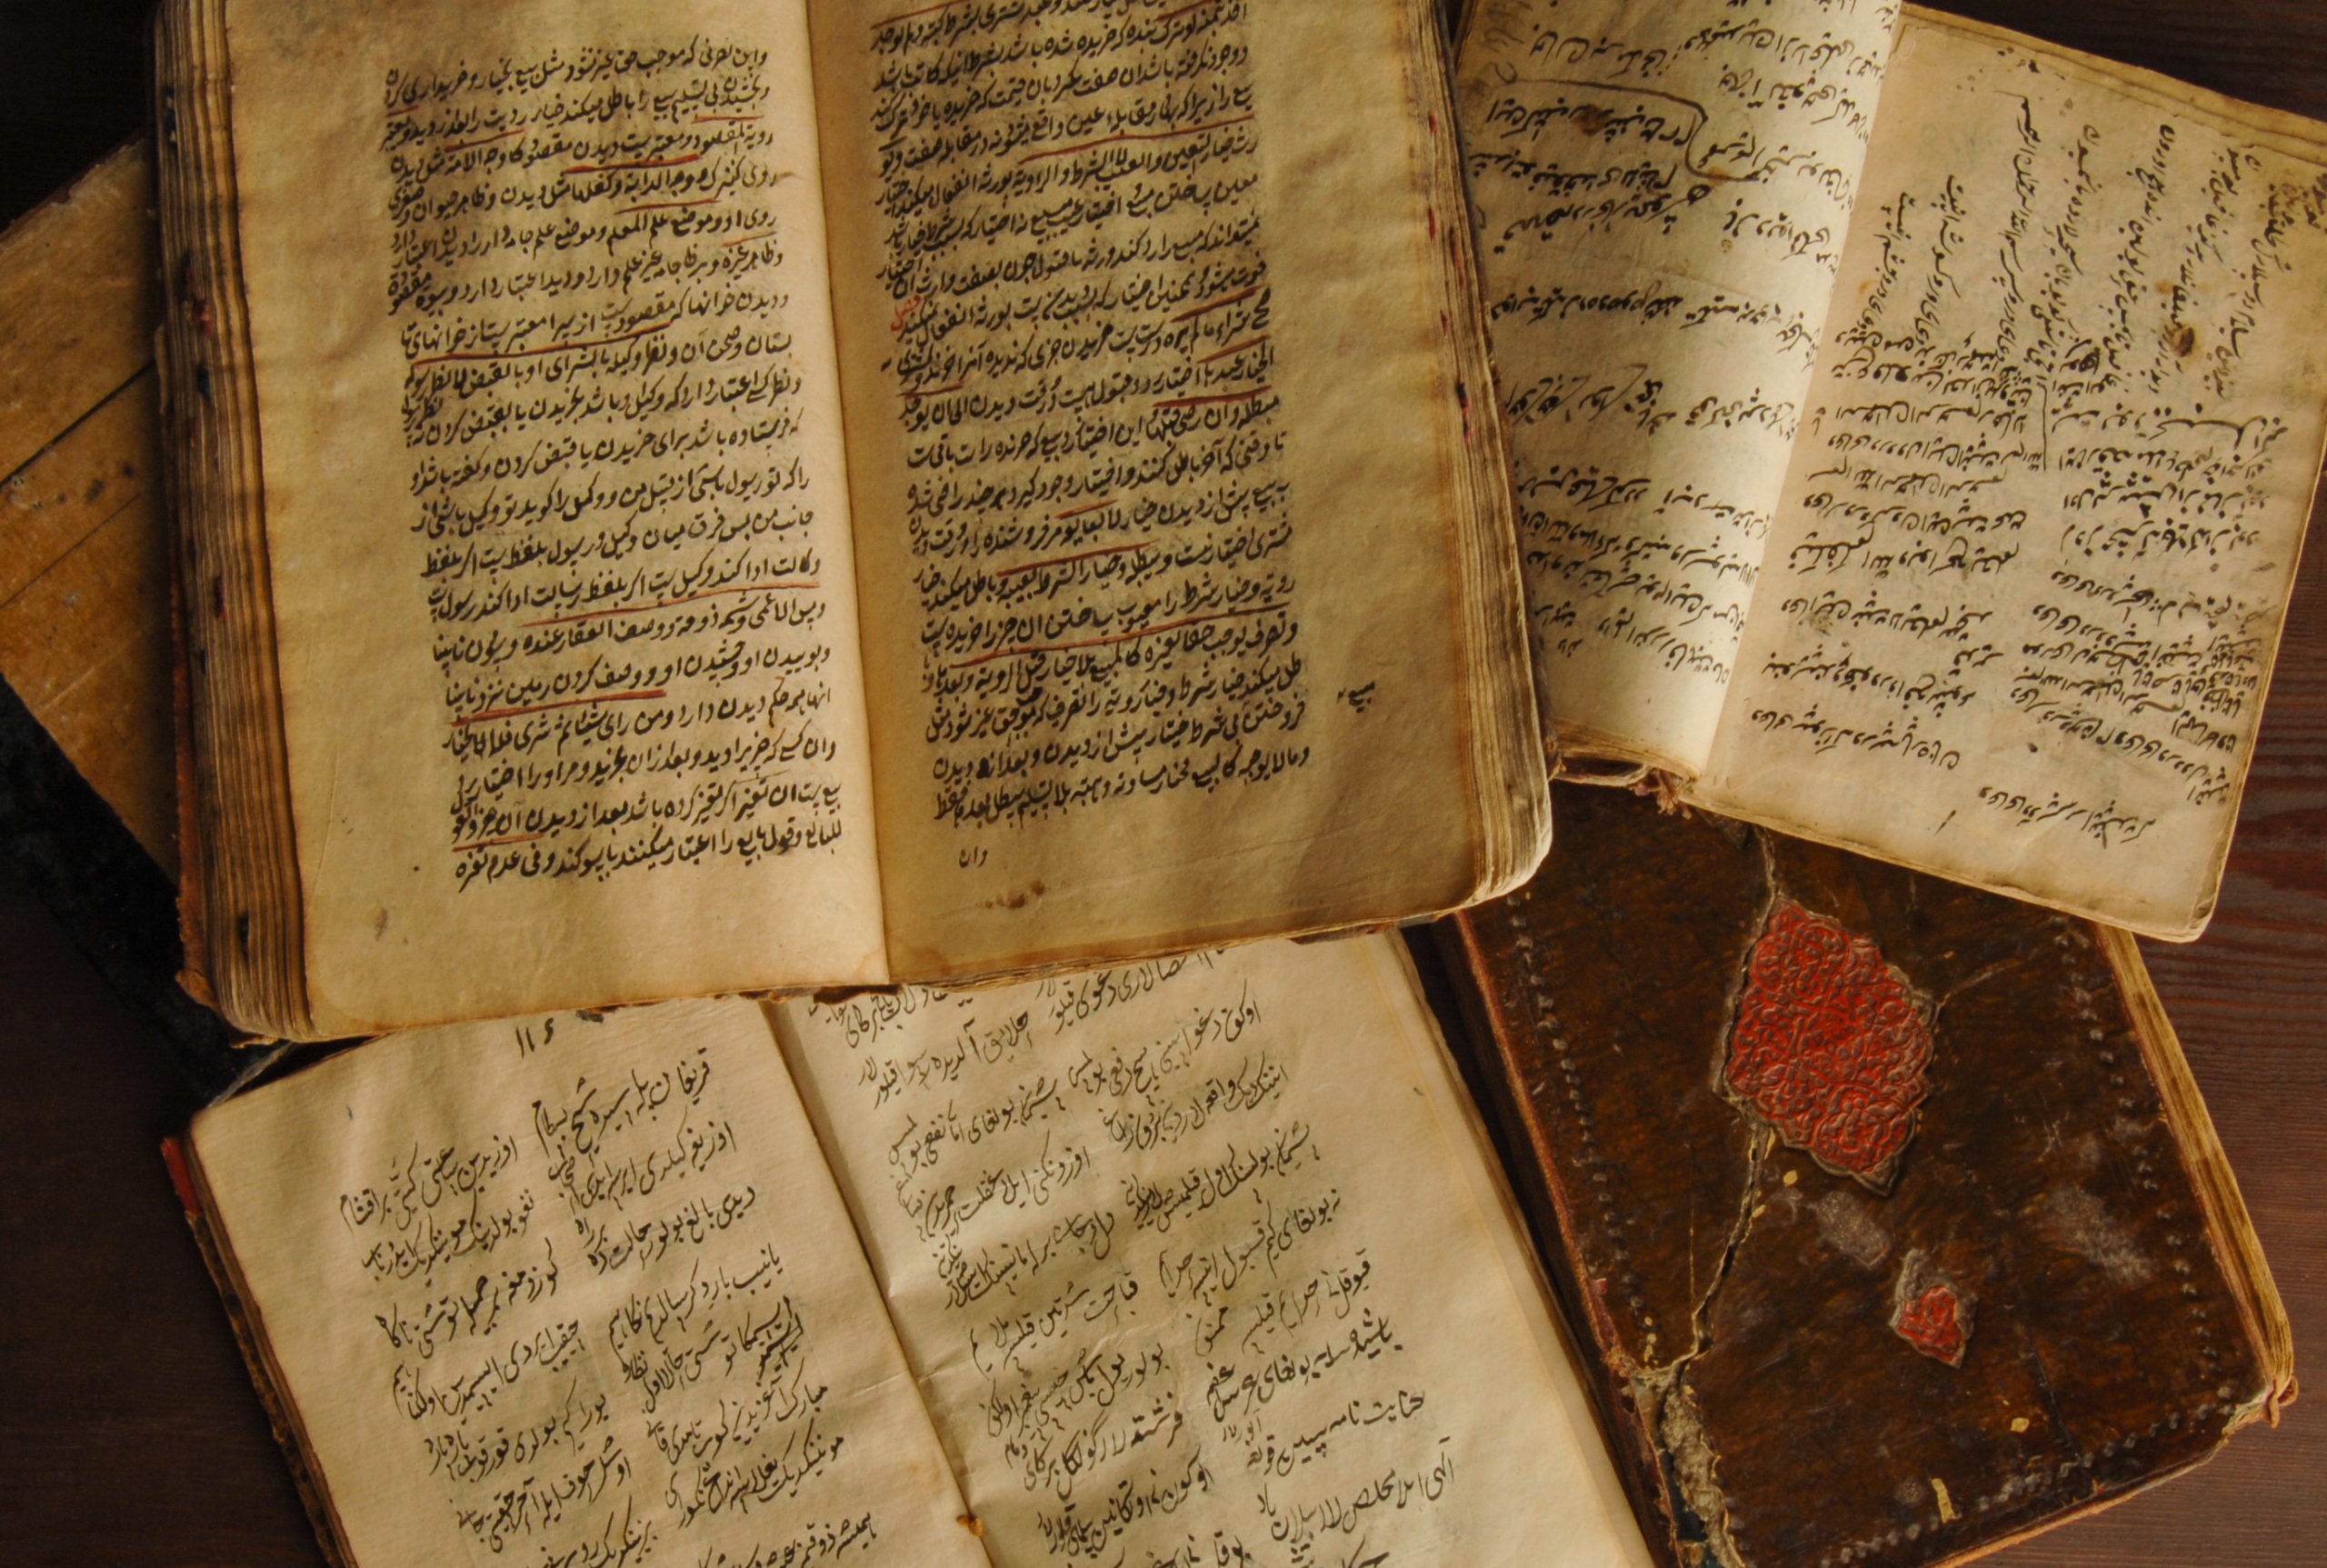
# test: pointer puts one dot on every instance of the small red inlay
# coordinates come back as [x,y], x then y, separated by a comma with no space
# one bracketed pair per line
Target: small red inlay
[1829,1047]
[182,1179]
[1933,1324]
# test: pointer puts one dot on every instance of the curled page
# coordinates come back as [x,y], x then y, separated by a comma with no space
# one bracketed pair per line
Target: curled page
[1662,194]
[2027,584]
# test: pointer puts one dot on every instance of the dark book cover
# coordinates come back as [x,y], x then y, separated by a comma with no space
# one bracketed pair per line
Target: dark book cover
[1885,1212]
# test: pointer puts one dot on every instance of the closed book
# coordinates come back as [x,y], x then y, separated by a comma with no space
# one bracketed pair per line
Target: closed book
[1886,1210]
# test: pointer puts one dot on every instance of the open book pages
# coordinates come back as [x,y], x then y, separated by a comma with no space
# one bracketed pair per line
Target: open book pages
[1194,1263]
[1914,426]
[661,520]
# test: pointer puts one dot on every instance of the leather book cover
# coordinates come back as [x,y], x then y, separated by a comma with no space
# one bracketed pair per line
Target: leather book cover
[1884,1211]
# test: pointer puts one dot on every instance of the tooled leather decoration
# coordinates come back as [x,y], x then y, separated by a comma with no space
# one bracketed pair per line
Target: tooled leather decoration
[1933,1324]
[1828,1047]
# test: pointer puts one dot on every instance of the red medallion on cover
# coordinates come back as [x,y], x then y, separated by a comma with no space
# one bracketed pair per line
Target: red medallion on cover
[1829,1047]
[1933,1324]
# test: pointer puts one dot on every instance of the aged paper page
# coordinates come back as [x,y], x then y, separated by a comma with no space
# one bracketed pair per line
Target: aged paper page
[2021,606]
[1196,1263]
[577,1294]
[555,505]
[1662,194]
[1153,442]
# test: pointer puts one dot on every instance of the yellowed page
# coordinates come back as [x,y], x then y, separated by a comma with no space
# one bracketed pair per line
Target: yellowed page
[556,511]
[570,1292]
[1154,435]
[1662,193]
[2024,596]
[1198,1262]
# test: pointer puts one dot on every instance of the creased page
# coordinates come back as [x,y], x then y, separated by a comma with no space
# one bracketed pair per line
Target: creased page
[2023,597]
[1662,193]
[1193,1262]
[577,1293]
[1153,437]
[555,507]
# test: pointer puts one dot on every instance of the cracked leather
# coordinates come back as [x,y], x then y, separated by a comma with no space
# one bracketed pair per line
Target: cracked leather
[1744,1305]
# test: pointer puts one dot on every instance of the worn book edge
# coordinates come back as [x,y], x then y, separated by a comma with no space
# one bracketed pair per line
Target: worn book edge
[2229,1229]
[250,1339]
[210,427]
[1510,780]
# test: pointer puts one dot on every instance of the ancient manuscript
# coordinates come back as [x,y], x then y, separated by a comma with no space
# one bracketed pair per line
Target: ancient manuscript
[768,527]
[1195,1263]
[1914,426]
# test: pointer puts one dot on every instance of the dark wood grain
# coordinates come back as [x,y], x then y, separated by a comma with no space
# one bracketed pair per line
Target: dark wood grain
[129,1436]
[128,1430]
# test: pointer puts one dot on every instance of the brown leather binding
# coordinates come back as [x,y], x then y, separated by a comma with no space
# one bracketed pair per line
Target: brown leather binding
[1770,1328]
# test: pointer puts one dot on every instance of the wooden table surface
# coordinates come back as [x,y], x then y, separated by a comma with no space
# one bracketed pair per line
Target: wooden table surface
[128,1434]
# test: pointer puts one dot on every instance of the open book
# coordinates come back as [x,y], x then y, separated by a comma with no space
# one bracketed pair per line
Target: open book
[660,520]
[1914,426]
[1202,1262]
